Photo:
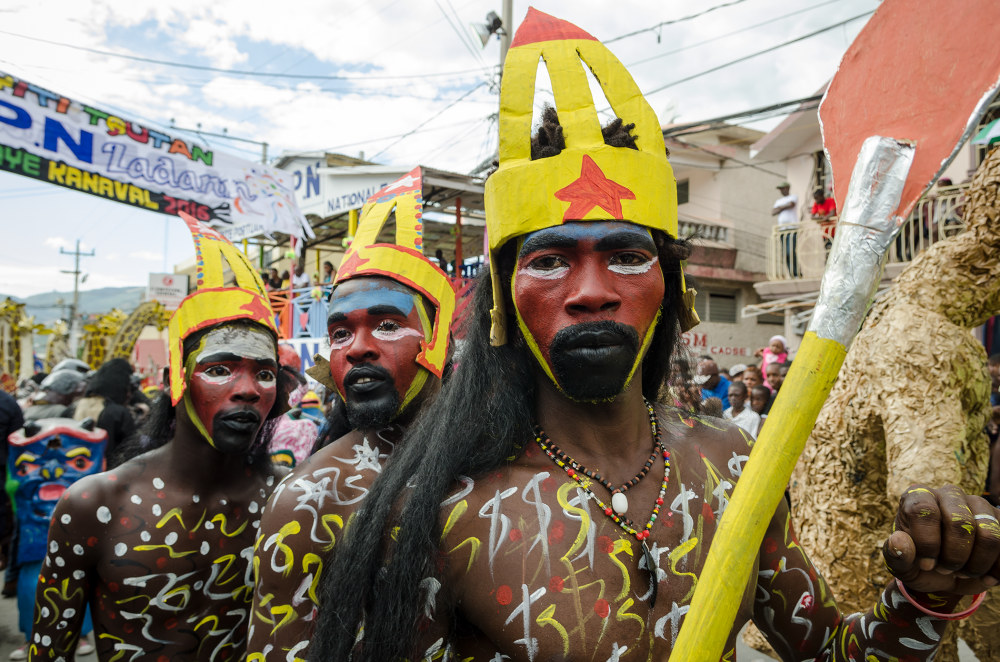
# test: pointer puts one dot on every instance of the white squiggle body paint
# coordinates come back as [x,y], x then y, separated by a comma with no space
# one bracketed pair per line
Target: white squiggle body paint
[633,269]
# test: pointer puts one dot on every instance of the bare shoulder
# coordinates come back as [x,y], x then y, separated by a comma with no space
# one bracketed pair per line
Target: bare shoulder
[329,485]
[716,438]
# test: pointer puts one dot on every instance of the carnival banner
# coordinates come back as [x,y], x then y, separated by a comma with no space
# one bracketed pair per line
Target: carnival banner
[50,138]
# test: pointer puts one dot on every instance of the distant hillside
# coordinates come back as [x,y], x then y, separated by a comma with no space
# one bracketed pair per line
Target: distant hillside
[45,306]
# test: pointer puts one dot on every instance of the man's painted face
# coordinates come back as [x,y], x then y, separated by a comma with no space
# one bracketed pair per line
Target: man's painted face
[43,465]
[587,297]
[377,327]
[232,385]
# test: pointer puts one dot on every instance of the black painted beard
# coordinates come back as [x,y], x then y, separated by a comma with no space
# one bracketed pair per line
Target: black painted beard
[592,361]
[370,406]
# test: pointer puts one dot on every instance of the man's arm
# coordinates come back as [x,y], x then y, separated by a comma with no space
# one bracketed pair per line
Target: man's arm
[799,616]
[65,582]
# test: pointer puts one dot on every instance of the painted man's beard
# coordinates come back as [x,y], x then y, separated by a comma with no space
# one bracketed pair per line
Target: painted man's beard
[371,397]
[592,361]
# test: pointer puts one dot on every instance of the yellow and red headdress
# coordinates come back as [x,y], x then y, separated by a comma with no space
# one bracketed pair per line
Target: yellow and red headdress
[212,302]
[589,180]
[403,261]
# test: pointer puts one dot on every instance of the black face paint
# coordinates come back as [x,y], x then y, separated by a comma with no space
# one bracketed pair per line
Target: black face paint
[592,361]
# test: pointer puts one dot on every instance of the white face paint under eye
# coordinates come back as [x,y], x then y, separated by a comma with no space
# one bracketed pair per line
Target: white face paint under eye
[396,332]
[544,274]
[632,269]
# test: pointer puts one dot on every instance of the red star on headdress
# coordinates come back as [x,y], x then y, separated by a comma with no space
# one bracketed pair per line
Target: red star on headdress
[257,308]
[591,190]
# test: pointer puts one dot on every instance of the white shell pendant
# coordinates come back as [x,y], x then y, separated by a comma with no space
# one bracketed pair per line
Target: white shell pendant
[619,502]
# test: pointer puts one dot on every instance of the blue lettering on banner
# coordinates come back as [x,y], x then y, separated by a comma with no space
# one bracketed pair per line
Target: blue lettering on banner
[306,348]
[163,172]
[83,149]
[353,200]
[21,119]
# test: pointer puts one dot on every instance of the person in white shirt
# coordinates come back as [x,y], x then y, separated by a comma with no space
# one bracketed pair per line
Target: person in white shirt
[786,209]
[301,278]
[739,413]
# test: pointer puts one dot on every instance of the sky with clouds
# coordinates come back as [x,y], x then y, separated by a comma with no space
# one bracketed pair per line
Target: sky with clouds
[353,76]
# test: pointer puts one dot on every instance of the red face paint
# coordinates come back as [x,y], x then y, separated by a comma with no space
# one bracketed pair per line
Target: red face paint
[586,274]
[376,331]
[232,385]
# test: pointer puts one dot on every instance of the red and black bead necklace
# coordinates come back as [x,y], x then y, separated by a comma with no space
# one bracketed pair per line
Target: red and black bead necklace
[620,504]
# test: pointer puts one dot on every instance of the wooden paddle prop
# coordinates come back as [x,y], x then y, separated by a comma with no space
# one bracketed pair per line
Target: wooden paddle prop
[893,81]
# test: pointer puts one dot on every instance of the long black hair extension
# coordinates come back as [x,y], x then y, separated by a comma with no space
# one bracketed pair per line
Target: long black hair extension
[477,424]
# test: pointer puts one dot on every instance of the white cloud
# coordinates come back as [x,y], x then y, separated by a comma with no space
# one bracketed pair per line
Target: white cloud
[57,242]
[150,256]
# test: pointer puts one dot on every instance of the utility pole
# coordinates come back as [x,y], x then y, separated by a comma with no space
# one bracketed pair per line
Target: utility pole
[74,323]
[507,32]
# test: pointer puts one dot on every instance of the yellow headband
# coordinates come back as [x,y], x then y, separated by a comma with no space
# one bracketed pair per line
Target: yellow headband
[404,261]
[212,302]
[589,180]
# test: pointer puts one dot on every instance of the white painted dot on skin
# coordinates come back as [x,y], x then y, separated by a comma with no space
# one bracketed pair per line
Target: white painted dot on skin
[256,524]
[70,612]
[66,518]
[45,612]
[53,546]
[55,575]
[145,536]
[171,538]
[60,562]
[195,498]
[223,501]
[38,638]
[103,515]
[205,547]
[136,499]
[62,625]
[198,585]
[209,525]
[78,550]
[79,574]
[120,549]
[48,563]
[46,640]
[253,507]
[157,510]
[270,481]
[157,483]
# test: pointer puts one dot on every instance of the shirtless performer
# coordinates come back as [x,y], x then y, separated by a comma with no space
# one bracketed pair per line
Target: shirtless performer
[160,547]
[544,506]
[389,319]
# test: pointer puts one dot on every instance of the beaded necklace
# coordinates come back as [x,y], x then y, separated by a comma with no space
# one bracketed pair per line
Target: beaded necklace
[617,514]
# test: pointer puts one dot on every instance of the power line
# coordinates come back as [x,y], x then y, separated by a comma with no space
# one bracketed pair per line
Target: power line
[427,121]
[672,21]
[680,129]
[240,72]
[753,55]
[730,34]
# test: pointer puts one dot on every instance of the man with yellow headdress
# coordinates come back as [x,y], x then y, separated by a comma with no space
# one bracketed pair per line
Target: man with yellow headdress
[546,506]
[159,548]
[389,320]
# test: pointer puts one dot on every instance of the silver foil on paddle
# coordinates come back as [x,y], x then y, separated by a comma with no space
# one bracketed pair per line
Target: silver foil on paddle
[866,228]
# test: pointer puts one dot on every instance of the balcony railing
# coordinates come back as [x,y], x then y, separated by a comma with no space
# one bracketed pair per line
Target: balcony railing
[800,251]
[703,230]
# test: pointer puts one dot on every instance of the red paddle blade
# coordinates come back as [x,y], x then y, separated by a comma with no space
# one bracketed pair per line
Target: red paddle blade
[921,71]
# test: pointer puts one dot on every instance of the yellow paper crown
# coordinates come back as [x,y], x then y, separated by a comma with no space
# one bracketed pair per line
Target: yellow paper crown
[212,302]
[589,180]
[404,261]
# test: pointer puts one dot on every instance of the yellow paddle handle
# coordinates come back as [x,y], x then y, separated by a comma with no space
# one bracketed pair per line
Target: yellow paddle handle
[734,549]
